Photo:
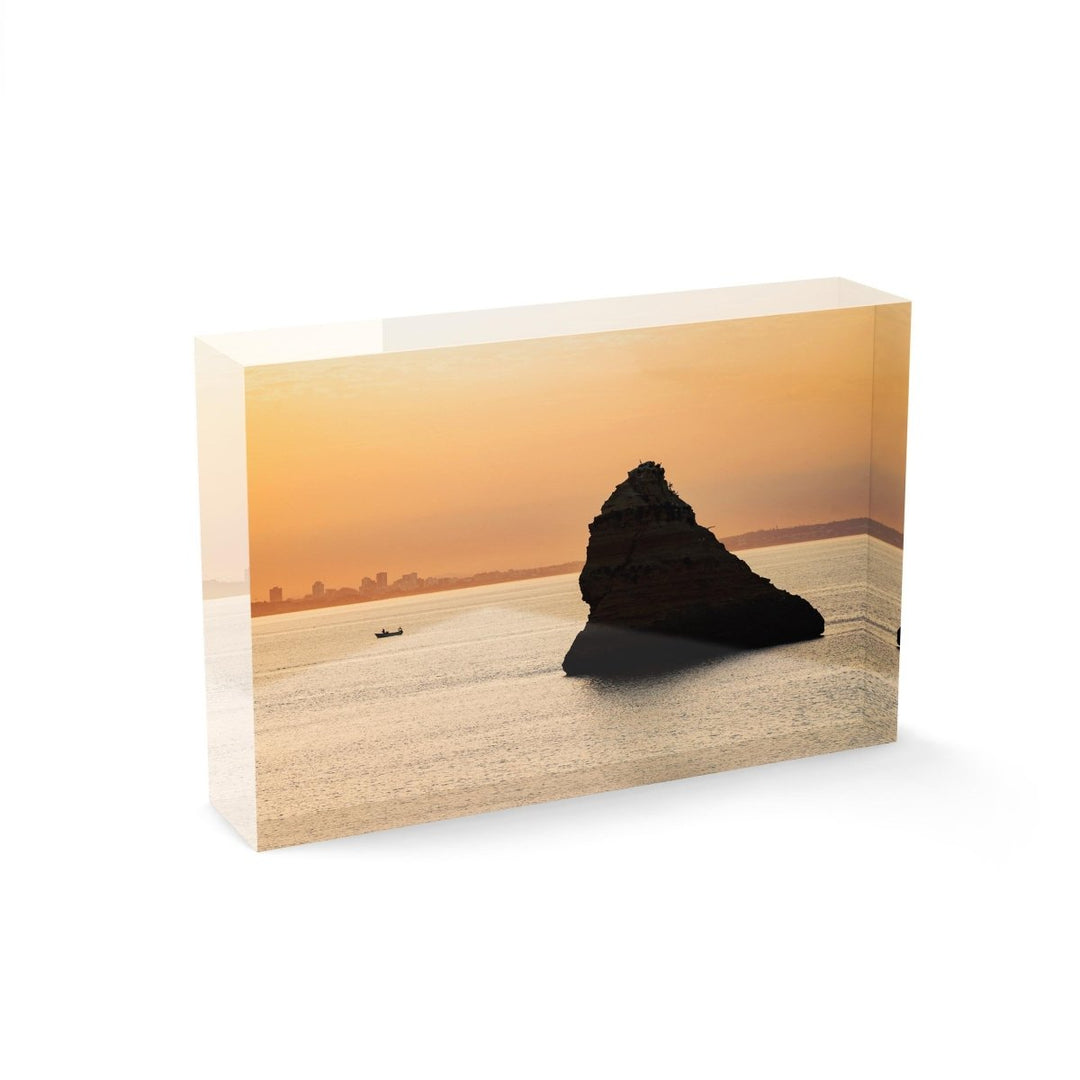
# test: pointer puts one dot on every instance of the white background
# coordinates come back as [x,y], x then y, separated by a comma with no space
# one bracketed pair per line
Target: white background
[904,911]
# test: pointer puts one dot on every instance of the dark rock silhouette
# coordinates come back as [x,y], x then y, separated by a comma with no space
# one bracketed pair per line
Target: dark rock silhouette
[663,592]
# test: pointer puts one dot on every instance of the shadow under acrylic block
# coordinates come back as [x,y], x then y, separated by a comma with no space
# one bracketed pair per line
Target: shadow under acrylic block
[465,562]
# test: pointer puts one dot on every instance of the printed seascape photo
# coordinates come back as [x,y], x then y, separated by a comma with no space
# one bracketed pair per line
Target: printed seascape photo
[490,575]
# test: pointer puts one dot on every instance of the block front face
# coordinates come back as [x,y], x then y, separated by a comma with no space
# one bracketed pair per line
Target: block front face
[449,492]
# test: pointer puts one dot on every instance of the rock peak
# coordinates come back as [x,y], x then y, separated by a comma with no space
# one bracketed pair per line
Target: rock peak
[645,485]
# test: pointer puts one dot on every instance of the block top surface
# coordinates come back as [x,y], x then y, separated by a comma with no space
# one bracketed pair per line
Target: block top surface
[296,344]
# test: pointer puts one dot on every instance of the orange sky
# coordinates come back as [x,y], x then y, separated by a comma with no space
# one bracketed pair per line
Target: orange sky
[452,461]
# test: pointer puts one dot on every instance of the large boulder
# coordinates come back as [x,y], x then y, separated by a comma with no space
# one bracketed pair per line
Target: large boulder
[663,591]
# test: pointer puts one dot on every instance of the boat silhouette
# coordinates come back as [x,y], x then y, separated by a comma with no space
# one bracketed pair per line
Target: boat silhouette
[389,633]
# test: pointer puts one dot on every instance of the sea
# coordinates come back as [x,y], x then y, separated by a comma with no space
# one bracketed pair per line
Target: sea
[469,710]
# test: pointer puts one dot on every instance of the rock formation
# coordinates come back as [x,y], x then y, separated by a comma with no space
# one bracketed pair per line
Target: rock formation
[663,591]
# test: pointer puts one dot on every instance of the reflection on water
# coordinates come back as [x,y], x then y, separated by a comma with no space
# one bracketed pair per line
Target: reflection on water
[470,710]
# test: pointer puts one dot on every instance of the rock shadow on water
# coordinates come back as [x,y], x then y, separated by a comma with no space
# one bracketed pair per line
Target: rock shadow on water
[614,654]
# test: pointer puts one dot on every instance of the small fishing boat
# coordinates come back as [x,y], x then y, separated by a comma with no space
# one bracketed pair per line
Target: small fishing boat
[389,633]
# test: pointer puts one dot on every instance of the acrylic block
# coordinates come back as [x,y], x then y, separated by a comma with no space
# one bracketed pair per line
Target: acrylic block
[459,563]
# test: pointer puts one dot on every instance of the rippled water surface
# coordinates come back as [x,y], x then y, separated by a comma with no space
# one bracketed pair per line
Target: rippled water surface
[470,709]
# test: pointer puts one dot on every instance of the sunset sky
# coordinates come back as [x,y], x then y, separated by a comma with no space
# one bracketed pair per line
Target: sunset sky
[487,457]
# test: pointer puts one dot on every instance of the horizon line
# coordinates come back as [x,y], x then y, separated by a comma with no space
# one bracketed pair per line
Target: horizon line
[777,535]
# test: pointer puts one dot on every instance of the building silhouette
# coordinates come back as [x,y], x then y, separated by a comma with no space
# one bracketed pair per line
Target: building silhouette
[275,595]
[318,590]
[380,579]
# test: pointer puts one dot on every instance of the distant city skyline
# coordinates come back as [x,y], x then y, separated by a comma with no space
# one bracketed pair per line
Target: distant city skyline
[407,584]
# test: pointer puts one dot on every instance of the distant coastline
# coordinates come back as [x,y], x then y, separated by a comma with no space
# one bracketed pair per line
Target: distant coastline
[795,534]
[801,534]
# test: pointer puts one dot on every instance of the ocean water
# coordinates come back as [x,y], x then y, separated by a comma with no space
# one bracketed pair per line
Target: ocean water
[469,710]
